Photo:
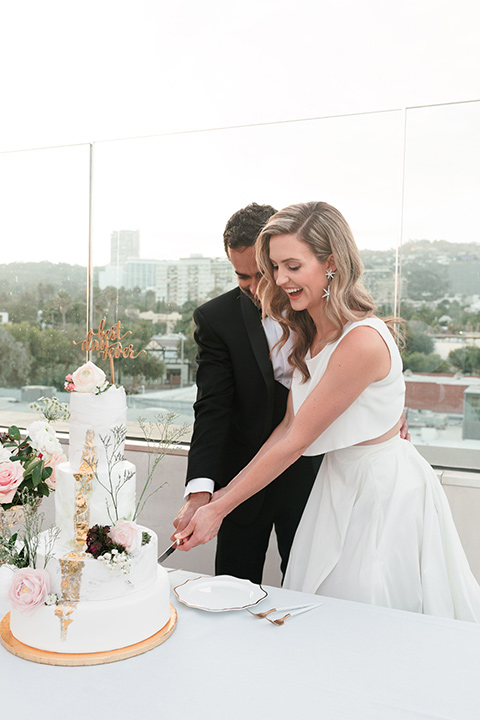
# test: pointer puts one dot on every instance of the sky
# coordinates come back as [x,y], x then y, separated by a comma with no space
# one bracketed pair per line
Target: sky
[194,109]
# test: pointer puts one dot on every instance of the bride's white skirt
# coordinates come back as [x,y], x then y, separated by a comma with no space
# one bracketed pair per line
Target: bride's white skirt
[378,529]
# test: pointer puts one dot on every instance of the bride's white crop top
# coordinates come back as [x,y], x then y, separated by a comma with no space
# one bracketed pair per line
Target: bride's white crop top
[373,413]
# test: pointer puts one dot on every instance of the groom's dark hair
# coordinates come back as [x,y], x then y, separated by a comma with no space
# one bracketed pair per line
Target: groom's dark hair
[245,226]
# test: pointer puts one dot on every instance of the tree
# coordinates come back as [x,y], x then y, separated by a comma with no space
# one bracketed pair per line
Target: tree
[54,355]
[420,362]
[187,326]
[144,367]
[466,359]
[22,309]
[63,302]
[420,343]
[15,365]
[426,278]
[46,294]
[77,314]
[105,305]
[186,322]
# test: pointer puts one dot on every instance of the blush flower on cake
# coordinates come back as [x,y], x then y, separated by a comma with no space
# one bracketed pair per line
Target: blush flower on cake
[88,378]
[128,534]
[29,588]
[11,475]
[52,462]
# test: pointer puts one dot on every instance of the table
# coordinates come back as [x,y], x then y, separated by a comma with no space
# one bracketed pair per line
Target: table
[343,660]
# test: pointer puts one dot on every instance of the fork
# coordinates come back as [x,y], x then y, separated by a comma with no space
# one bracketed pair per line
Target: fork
[281,621]
[263,615]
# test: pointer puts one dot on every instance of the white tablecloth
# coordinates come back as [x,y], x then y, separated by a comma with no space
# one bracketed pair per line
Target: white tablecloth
[343,660]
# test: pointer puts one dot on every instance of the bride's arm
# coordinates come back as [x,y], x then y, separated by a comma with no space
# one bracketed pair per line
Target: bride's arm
[360,359]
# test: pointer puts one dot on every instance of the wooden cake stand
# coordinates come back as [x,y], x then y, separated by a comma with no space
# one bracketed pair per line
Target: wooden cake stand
[52,658]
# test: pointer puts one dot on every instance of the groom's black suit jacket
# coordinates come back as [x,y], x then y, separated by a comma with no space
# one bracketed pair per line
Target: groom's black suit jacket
[239,403]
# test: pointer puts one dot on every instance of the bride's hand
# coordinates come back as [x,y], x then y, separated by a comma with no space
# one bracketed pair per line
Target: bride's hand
[219,493]
[203,527]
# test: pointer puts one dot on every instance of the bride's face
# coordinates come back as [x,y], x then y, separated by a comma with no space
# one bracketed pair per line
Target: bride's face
[299,272]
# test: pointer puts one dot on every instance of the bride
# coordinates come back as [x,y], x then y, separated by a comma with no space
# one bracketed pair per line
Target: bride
[377,527]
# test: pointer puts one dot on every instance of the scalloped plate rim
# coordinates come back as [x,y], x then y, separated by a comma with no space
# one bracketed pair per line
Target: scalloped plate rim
[261,593]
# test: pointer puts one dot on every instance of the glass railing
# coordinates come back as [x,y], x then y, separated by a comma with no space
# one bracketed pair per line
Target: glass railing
[440,262]
[130,232]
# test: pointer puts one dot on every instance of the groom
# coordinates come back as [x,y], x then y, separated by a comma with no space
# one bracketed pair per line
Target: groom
[241,398]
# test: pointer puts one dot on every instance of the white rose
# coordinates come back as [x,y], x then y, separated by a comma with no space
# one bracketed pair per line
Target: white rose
[88,377]
[6,453]
[43,438]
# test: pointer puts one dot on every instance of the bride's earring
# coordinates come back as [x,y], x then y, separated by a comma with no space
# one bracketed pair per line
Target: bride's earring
[330,274]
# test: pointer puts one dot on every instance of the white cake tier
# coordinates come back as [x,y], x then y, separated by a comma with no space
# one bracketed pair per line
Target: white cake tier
[100,414]
[97,580]
[88,627]
[97,498]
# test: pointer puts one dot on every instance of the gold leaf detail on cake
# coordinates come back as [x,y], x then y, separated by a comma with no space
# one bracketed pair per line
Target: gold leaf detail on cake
[63,612]
[89,454]
[71,566]
[83,487]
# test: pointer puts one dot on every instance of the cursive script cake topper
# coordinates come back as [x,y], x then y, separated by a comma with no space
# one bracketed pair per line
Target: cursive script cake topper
[108,344]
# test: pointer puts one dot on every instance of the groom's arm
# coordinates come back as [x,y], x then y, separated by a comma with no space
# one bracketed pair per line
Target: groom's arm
[214,405]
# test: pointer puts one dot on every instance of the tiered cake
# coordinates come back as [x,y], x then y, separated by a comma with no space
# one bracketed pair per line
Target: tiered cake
[93,605]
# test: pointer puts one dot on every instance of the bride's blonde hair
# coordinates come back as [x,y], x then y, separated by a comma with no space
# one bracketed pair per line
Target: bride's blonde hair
[326,232]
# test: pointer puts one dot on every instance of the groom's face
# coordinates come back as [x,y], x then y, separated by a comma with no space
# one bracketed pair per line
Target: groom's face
[246,270]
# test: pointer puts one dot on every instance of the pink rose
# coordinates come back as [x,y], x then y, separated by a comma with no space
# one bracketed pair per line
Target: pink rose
[128,534]
[52,462]
[11,475]
[88,377]
[68,378]
[29,589]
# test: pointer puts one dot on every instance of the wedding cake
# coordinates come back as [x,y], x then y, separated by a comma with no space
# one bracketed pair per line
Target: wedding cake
[98,587]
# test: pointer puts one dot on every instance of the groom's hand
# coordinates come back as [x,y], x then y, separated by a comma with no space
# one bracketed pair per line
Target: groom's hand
[195,501]
[203,527]
[404,434]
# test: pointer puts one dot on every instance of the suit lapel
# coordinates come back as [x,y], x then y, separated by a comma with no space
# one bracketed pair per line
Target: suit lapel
[258,341]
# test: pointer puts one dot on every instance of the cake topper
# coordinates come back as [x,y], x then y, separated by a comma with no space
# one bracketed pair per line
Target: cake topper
[108,344]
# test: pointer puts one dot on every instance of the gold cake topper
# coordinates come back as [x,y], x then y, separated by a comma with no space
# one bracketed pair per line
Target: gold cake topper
[108,344]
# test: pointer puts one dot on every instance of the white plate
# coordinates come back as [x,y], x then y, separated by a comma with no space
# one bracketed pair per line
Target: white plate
[220,593]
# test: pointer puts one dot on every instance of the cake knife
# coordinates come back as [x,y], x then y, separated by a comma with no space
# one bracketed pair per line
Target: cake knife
[168,552]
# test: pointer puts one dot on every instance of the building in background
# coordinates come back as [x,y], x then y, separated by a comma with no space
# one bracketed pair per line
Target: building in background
[442,402]
[141,274]
[194,278]
[124,245]
[169,348]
